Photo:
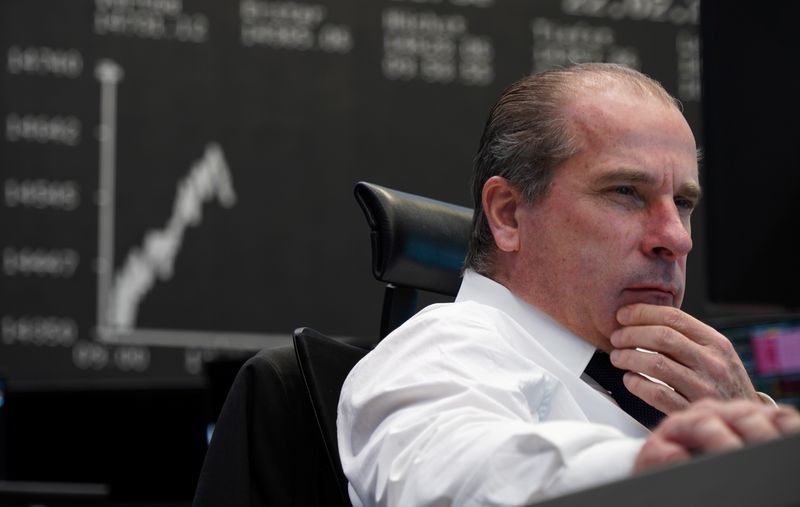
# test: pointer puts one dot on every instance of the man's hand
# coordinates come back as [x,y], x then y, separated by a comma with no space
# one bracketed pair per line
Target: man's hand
[693,358]
[711,426]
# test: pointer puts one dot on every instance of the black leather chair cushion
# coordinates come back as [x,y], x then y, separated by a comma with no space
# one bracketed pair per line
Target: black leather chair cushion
[267,448]
[416,242]
[325,364]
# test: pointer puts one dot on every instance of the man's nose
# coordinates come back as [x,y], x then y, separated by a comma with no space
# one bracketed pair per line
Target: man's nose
[667,233]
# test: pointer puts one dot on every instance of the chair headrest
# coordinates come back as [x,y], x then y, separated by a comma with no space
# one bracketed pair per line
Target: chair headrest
[416,242]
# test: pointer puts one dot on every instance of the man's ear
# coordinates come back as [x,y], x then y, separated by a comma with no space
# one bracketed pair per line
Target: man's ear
[500,201]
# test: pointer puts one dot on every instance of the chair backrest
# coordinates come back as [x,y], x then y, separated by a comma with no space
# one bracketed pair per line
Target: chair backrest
[417,244]
[266,448]
[325,363]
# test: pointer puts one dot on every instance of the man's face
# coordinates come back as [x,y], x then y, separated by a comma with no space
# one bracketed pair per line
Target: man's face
[614,227]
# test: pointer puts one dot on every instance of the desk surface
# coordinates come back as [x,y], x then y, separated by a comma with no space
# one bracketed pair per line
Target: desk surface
[763,475]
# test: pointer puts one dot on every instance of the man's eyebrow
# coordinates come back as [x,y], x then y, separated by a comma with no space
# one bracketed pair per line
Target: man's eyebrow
[691,190]
[624,175]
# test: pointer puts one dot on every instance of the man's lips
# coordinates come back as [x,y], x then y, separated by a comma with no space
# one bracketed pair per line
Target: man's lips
[659,288]
[654,294]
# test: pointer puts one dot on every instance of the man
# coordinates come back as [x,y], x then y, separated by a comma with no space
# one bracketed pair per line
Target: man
[585,181]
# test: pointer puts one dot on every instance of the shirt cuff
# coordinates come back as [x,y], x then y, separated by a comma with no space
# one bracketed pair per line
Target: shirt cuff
[766,399]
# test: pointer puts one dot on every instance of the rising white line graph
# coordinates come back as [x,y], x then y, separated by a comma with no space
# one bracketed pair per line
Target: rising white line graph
[120,294]
[209,178]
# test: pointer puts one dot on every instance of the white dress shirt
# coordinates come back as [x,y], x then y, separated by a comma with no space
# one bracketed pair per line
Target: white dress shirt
[479,402]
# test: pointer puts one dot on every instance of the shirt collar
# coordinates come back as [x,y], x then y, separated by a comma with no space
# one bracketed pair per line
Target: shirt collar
[572,351]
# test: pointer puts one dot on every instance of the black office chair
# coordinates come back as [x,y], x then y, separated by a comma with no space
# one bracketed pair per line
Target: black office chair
[275,439]
[417,244]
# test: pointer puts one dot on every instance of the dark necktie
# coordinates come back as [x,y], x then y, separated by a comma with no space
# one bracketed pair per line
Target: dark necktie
[610,377]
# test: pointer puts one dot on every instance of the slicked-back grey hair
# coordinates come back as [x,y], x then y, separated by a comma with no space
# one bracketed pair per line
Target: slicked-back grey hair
[527,137]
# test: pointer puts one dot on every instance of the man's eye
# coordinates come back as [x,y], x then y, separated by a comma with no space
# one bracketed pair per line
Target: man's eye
[624,190]
[686,204]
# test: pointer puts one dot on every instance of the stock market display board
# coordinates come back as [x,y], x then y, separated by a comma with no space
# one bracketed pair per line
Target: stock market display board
[177,174]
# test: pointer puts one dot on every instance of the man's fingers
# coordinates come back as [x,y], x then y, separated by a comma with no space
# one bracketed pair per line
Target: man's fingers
[659,396]
[701,430]
[786,419]
[713,425]
[641,314]
[657,452]
[662,339]
[755,426]
[755,421]
[693,357]
[683,379]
